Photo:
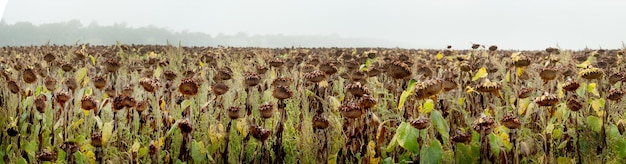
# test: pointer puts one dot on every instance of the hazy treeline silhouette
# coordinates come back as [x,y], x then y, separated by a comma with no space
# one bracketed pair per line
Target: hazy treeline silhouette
[72,32]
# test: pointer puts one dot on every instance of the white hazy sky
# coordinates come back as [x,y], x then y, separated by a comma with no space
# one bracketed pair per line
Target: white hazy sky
[528,24]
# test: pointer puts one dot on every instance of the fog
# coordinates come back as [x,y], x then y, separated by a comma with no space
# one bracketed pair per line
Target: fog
[531,24]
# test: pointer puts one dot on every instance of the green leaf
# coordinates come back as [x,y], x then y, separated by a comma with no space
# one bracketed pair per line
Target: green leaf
[595,123]
[38,90]
[465,154]
[440,124]
[198,151]
[157,72]
[597,106]
[429,106]
[482,72]
[80,157]
[142,152]
[22,161]
[406,136]
[433,153]
[564,160]
[495,142]
[407,92]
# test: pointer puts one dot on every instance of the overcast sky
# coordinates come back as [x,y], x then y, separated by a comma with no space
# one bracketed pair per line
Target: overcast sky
[528,24]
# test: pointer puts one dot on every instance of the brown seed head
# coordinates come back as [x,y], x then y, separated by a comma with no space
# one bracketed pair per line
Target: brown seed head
[233,112]
[62,96]
[267,110]
[320,122]
[252,79]
[398,70]
[185,126]
[88,103]
[511,121]
[547,100]
[484,124]
[40,103]
[615,94]
[282,92]
[356,89]
[421,122]
[351,111]
[29,76]
[591,73]
[188,86]
[315,76]
[525,93]
[219,88]
[99,82]
[571,85]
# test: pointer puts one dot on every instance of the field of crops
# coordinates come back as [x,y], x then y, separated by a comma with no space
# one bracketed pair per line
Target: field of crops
[174,104]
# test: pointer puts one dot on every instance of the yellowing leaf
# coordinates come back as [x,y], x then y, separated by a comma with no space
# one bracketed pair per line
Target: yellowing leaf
[80,75]
[461,101]
[429,106]
[135,146]
[90,156]
[597,106]
[216,133]
[439,55]
[520,71]
[157,72]
[107,130]
[482,72]
[507,78]
[242,126]
[75,124]
[93,60]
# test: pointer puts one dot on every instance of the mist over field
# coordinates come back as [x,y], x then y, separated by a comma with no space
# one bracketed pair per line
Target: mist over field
[531,24]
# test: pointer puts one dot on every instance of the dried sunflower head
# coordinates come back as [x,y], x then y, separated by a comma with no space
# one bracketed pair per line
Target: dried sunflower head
[548,73]
[99,82]
[315,76]
[276,62]
[13,87]
[47,155]
[233,112]
[356,89]
[521,61]
[29,76]
[484,124]
[420,123]
[88,103]
[571,85]
[525,93]
[617,77]
[96,139]
[112,65]
[320,122]
[511,121]
[367,101]
[282,92]
[188,86]
[351,111]
[461,137]
[252,79]
[398,70]
[62,96]
[149,84]
[547,100]
[40,103]
[615,94]
[591,73]
[284,81]
[475,46]
[328,68]
[259,133]
[169,75]
[185,126]
[488,87]
[266,110]
[219,88]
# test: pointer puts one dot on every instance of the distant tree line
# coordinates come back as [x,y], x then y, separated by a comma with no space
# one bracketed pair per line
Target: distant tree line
[72,32]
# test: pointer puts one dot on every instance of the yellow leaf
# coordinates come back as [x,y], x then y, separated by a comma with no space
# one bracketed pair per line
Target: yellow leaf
[85,82]
[428,106]
[90,156]
[507,78]
[524,105]
[334,103]
[242,126]
[80,75]
[371,149]
[482,72]
[201,64]
[107,130]
[439,55]
[597,106]
[93,60]
[161,141]
[135,146]
[86,113]
[216,133]
[520,71]
[469,89]
[461,101]
[77,123]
